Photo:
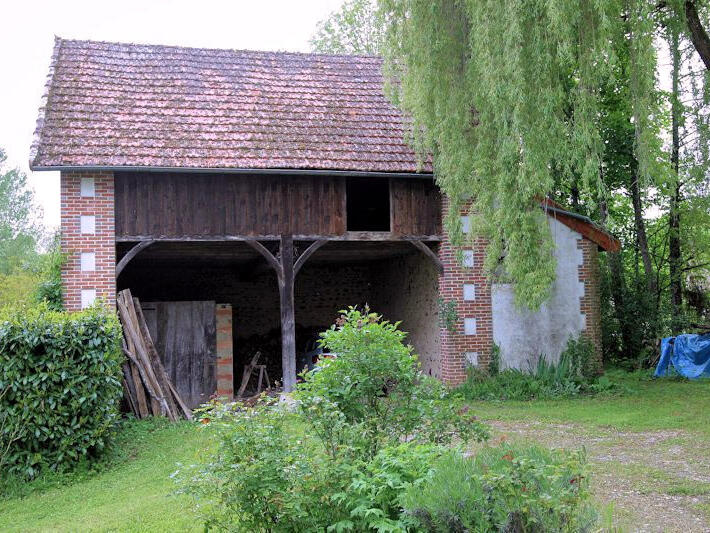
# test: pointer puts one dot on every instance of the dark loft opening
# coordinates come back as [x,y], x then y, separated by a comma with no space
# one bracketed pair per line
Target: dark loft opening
[368,204]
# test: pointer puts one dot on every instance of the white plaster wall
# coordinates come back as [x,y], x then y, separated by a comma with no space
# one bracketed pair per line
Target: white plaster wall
[523,335]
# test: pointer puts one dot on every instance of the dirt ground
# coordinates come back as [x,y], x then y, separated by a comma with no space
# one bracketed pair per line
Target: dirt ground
[646,481]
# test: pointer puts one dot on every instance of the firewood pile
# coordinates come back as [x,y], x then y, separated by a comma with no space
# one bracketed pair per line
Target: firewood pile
[146,385]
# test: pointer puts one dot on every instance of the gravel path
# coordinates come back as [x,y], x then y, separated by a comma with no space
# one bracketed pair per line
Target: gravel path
[653,481]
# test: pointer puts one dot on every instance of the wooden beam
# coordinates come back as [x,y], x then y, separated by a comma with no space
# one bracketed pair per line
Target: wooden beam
[131,254]
[308,252]
[429,253]
[273,262]
[347,236]
[288,319]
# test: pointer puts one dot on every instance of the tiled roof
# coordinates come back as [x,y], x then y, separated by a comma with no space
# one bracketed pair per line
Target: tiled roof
[128,105]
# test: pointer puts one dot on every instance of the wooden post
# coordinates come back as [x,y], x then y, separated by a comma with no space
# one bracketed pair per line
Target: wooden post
[286,269]
[288,320]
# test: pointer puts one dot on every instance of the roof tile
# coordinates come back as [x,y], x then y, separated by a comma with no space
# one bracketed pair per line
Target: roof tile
[116,105]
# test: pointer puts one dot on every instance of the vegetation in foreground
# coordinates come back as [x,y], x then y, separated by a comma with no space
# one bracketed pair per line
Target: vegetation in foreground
[60,387]
[374,434]
[131,489]
[128,490]
[573,374]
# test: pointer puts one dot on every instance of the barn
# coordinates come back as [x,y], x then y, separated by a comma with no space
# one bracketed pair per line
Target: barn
[246,197]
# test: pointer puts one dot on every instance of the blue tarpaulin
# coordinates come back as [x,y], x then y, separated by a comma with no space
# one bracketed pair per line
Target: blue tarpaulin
[689,355]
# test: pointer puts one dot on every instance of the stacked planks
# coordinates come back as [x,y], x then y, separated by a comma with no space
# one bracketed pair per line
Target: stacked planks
[146,386]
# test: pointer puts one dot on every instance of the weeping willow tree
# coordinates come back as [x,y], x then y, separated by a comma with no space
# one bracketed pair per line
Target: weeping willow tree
[506,96]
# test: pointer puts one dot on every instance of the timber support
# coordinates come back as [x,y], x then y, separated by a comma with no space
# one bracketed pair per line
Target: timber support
[419,245]
[131,254]
[287,265]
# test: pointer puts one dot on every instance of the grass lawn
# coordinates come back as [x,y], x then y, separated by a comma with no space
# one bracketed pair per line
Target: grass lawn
[134,493]
[649,449]
[643,404]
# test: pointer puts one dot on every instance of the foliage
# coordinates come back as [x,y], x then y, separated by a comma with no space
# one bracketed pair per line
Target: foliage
[574,373]
[61,374]
[49,288]
[366,426]
[262,478]
[355,29]
[373,497]
[19,232]
[503,95]
[494,364]
[36,280]
[448,317]
[373,393]
[518,100]
[504,488]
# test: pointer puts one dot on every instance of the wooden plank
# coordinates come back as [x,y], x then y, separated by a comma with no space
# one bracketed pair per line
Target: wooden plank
[209,334]
[208,205]
[156,363]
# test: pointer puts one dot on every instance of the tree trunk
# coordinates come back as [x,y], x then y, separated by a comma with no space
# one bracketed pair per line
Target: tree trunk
[288,321]
[641,238]
[618,291]
[674,258]
[698,35]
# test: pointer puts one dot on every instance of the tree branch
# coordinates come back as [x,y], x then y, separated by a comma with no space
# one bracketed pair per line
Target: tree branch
[698,35]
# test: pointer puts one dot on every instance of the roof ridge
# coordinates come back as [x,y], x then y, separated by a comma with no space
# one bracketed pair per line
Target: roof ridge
[212,49]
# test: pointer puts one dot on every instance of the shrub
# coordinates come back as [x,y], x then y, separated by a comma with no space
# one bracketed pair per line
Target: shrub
[362,451]
[367,425]
[373,393]
[265,476]
[573,374]
[60,377]
[504,488]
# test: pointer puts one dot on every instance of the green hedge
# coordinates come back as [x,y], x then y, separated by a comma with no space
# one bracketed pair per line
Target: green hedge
[60,387]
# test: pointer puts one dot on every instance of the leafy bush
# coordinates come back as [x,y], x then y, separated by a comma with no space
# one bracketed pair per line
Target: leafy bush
[372,499]
[367,448]
[504,488]
[373,393]
[366,426]
[573,374]
[49,288]
[264,477]
[60,377]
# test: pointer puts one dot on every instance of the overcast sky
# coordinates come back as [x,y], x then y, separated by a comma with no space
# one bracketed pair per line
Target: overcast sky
[27,30]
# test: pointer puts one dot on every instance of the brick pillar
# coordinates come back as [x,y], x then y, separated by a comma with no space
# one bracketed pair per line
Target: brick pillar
[225,356]
[466,284]
[590,304]
[87,239]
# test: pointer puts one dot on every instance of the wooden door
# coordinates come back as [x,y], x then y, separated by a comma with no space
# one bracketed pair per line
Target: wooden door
[184,333]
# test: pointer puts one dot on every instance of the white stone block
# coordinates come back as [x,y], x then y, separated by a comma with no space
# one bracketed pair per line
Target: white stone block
[469,292]
[471,358]
[466,224]
[88,187]
[88,261]
[88,296]
[468,258]
[88,224]
[469,326]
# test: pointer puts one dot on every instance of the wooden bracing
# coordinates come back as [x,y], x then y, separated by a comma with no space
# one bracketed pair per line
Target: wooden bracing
[286,265]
